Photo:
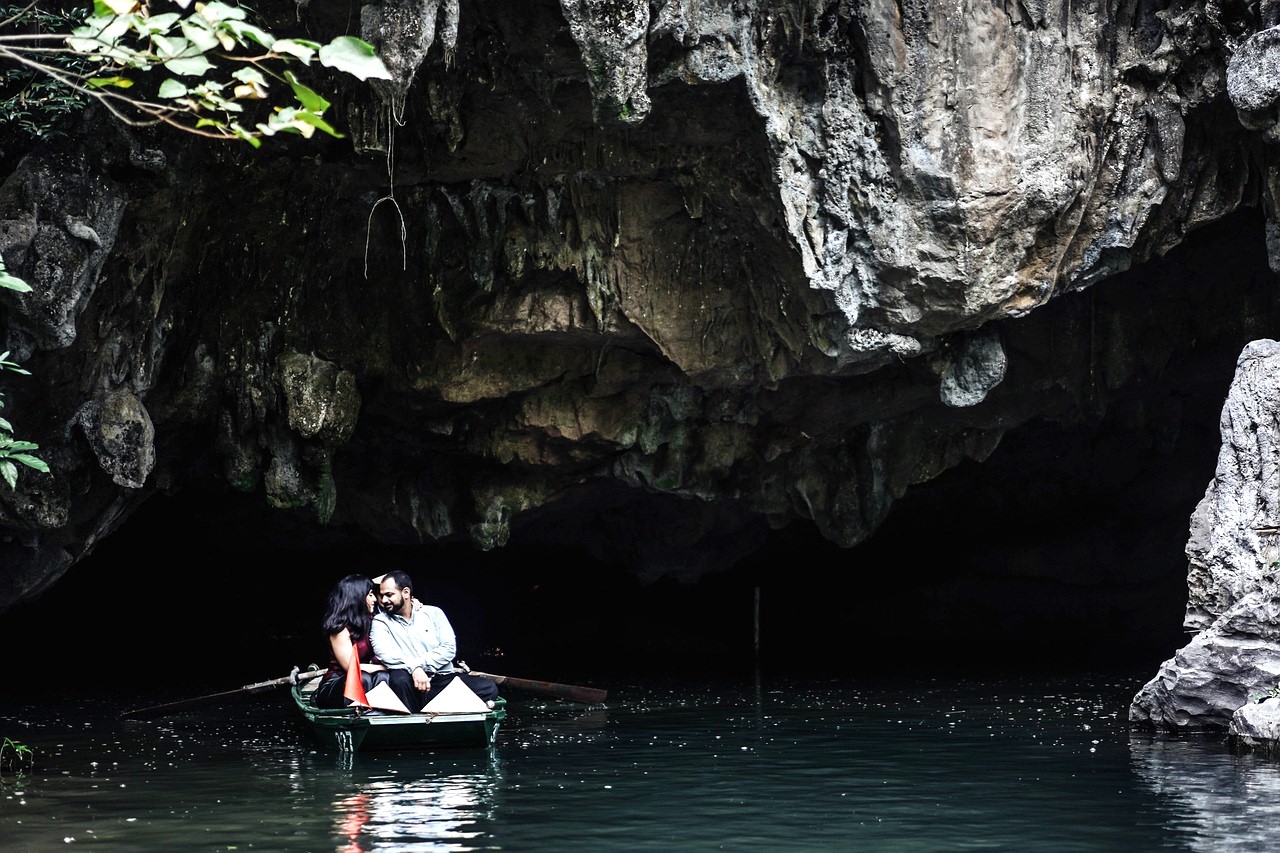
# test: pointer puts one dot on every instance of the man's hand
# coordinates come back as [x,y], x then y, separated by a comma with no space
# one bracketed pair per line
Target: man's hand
[421,680]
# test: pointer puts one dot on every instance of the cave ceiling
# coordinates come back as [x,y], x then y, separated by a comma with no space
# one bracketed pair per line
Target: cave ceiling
[652,277]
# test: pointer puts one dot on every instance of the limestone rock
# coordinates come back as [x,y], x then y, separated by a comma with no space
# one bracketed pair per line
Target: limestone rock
[120,431]
[1256,725]
[746,264]
[613,37]
[320,399]
[59,224]
[1234,599]
[403,31]
[977,368]
[1253,80]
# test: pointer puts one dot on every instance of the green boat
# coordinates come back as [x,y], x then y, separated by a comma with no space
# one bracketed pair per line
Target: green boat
[355,729]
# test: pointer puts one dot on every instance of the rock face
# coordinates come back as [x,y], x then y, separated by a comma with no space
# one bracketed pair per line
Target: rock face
[591,262]
[1256,725]
[1234,553]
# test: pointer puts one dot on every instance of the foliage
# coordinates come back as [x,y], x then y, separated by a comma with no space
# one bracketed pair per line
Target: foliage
[32,103]
[208,71]
[14,451]
[16,756]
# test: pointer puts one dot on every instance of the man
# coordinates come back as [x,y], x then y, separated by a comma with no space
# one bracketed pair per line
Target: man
[417,645]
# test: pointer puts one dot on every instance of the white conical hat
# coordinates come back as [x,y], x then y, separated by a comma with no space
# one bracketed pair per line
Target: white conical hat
[384,698]
[456,698]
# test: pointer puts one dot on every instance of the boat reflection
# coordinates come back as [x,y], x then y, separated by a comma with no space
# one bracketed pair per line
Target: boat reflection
[442,802]
[1216,800]
[352,814]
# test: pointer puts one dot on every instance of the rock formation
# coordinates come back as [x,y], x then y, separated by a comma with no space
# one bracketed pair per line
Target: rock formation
[1234,554]
[588,263]
[1256,725]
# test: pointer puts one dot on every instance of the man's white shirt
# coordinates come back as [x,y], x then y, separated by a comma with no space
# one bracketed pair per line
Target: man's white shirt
[425,639]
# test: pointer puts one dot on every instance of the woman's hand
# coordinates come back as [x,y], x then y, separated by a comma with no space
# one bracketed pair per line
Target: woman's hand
[372,667]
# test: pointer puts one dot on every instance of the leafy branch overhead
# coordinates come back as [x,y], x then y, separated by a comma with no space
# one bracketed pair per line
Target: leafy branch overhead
[208,71]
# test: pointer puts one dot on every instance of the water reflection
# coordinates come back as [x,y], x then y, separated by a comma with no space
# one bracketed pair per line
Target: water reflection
[1216,799]
[442,801]
[904,765]
[352,814]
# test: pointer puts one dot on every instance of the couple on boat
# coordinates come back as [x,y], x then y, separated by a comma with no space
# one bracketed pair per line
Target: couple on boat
[395,640]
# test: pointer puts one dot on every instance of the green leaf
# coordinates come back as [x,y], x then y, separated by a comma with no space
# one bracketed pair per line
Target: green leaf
[161,23]
[189,66]
[249,74]
[319,123]
[215,11]
[170,46]
[285,121]
[246,135]
[5,425]
[172,88]
[102,32]
[10,282]
[309,99]
[31,462]
[10,473]
[114,7]
[200,34]
[243,31]
[116,81]
[300,48]
[355,57]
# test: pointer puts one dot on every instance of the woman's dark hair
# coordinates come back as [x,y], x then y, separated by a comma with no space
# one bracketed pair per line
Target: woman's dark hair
[347,607]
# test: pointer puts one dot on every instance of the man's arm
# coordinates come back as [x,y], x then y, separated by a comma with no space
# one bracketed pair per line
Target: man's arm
[385,646]
[446,648]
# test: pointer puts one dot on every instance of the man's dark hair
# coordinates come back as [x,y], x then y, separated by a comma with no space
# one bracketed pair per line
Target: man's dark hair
[400,577]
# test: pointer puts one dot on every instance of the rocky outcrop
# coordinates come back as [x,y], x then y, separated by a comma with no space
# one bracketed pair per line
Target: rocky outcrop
[1256,725]
[738,265]
[1234,599]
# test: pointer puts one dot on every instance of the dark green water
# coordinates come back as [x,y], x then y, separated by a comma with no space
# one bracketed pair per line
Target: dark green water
[931,764]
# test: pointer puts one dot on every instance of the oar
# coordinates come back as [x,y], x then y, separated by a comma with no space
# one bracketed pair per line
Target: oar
[585,695]
[161,710]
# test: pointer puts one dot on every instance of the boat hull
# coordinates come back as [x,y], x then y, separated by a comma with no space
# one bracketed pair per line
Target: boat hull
[350,730]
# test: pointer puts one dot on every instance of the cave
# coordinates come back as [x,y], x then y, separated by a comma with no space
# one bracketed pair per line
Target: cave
[1062,551]
[806,338]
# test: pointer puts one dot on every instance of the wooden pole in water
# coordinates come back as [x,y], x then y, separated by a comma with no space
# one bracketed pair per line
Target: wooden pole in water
[756,620]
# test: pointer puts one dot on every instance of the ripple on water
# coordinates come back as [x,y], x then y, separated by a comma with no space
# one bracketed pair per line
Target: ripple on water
[1045,764]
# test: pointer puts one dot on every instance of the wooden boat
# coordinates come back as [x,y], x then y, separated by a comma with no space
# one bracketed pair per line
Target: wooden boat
[356,729]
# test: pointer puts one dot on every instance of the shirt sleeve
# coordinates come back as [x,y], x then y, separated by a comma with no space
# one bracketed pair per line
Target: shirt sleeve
[441,657]
[384,646]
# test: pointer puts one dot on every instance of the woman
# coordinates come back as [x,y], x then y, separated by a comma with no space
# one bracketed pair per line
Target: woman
[346,625]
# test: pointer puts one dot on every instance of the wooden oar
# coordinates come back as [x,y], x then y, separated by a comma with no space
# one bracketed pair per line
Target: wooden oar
[585,695]
[161,710]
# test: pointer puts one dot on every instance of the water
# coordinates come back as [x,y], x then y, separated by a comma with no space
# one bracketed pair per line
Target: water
[912,765]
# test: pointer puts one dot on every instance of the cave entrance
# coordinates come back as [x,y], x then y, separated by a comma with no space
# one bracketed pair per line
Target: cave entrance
[1062,551]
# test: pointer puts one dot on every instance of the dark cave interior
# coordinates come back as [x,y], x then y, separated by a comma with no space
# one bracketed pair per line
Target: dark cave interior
[1062,552]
